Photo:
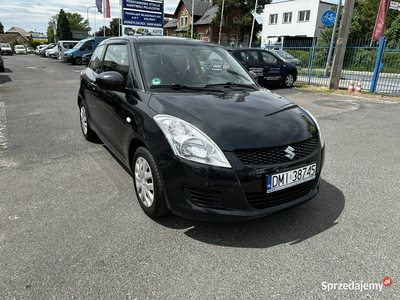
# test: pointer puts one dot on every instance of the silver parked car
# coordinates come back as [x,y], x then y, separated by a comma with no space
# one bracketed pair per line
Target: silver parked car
[286,57]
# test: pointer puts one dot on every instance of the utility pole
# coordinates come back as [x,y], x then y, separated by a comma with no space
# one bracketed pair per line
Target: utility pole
[341,45]
[252,26]
[328,61]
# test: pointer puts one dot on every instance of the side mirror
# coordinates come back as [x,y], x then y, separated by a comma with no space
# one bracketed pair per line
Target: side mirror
[254,75]
[111,80]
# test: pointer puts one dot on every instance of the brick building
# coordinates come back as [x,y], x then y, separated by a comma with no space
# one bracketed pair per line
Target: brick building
[15,34]
[204,13]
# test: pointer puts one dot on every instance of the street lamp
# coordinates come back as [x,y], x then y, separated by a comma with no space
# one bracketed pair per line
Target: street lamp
[87,13]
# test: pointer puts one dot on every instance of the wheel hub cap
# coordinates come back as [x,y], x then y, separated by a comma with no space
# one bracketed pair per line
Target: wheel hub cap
[144,182]
[83,120]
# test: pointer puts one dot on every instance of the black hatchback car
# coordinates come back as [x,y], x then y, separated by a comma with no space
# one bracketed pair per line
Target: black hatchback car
[208,146]
[269,67]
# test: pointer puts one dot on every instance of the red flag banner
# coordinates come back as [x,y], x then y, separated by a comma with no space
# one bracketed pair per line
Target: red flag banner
[379,28]
[108,12]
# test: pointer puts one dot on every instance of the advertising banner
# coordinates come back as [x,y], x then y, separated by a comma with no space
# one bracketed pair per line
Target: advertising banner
[142,17]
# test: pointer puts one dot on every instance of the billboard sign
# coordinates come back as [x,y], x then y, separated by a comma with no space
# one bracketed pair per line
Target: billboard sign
[143,17]
[39,38]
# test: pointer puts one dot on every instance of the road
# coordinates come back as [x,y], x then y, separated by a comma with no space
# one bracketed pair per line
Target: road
[71,228]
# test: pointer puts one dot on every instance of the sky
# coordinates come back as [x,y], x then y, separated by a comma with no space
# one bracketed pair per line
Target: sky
[34,14]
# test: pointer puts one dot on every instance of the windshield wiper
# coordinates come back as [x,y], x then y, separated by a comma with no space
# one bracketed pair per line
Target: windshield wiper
[232,84]
[178,86]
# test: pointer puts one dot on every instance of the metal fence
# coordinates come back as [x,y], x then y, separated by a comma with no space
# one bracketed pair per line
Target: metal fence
[376,64]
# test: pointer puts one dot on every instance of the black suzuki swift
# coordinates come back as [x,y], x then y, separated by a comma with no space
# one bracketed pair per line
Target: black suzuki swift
[204,145]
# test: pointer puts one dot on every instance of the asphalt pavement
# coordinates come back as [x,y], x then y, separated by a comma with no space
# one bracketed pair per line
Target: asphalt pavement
[71,227]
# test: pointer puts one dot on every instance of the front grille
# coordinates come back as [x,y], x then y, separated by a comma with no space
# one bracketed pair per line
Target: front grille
[206,198]
[276,155]
[261,200]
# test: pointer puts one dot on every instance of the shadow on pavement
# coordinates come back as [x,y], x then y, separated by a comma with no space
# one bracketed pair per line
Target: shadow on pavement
[5,78]
[291,226]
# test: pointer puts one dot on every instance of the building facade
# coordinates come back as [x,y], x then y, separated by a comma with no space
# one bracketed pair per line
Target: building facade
[207,30]
[291,19]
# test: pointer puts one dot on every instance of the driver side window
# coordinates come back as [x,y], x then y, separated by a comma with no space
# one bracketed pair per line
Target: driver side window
[95,61]
[269,58]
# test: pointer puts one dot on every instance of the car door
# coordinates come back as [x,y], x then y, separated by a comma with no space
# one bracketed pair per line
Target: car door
[109,106]
[272,67]
[252,61]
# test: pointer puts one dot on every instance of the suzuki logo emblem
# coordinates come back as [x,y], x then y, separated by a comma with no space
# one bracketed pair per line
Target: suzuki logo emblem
[290,154]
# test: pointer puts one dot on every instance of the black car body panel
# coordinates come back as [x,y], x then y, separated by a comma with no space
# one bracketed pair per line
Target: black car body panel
[269,67]
[243,122]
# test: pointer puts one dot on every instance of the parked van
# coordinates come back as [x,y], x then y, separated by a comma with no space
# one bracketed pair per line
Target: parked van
[273,43]
[64,46]
[75,54]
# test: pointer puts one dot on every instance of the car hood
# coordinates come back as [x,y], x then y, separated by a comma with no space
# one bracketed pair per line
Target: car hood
[240,120]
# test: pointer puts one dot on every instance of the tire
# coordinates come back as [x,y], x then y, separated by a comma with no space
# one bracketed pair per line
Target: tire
[2,69]
[148,184]
[78,60]
[87,132]
[288,80]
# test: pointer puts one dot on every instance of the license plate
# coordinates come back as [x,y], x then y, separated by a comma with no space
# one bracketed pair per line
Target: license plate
[291,178]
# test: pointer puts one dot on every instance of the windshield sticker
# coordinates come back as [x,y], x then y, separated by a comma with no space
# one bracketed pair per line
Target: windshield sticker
[156,81]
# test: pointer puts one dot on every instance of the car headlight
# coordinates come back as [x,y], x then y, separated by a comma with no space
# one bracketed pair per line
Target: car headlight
[316,123]
[191,143]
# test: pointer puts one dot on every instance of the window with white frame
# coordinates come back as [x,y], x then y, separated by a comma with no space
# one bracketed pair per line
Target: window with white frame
[234,39]
[273,19]
[304,16]
[186,21]
[235,20]
[201,36]
[181,21]
[287,17]
[179,34]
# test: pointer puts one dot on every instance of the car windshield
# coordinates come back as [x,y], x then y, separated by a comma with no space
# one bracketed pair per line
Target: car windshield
[19,47]
[77,46]
[195,67]
[283,54]
[4,45]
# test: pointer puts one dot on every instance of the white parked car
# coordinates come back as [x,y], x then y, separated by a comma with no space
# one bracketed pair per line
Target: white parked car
[6,49]
[19,49]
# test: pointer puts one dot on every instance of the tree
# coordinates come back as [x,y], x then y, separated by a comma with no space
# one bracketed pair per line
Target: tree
[393,33]
[100,32]
[245,21]
[114,27]
[63,28]
[1,28]
[77,22]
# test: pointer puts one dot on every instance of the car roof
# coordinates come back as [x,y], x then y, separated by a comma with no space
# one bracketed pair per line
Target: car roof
[146,39]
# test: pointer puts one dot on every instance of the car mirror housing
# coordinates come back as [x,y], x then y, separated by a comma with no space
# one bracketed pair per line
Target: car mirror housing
[111,80]
[253,75]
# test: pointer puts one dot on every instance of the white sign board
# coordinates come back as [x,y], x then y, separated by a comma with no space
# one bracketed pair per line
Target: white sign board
[394,5]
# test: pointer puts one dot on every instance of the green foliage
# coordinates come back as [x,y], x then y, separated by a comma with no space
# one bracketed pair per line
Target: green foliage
[63,28]
[100,32]
[77,22]
[114,27]
[189,32]
[1,28]
[245,20]
[16,42]
[32,44]
[393,33]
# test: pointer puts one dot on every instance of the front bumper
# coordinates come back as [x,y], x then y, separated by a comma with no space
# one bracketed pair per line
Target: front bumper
[196,191]
[9,52]
[68,59]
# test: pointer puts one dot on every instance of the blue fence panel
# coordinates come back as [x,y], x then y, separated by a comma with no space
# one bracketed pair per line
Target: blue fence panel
[389,76]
